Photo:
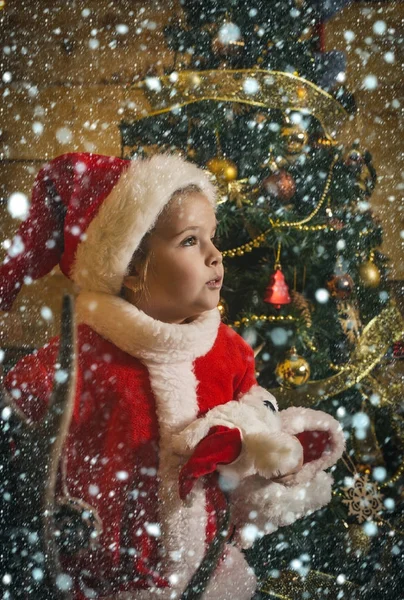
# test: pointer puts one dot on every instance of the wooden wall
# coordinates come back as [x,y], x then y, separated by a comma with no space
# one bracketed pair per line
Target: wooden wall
[69,65]
[66,70]
[372,35]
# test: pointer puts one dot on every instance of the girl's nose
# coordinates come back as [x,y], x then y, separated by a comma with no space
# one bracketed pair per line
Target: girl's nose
[216,257]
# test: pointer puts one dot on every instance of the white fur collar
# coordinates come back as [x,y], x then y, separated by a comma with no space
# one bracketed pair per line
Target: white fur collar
[142,336]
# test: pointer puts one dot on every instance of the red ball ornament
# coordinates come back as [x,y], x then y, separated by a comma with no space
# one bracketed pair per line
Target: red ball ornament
[340,286]
[280,185]
[277,292]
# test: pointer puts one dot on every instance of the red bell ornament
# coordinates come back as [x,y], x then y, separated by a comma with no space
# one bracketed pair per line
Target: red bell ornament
[277,292]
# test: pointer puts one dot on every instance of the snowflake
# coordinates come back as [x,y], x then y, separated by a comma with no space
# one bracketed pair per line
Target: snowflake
[363,498]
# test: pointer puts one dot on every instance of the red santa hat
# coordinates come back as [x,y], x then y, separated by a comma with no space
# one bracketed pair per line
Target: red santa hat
[89,213]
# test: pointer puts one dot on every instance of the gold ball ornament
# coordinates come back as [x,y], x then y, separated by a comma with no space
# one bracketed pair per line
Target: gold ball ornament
[294,139]
[358,539]
[369,274]
[225,170]
[293,371]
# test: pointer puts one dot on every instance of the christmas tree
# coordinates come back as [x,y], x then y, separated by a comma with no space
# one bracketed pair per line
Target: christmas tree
[253,97]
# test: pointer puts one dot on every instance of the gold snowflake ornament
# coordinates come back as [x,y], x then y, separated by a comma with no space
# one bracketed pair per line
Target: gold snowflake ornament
[350,321]
[363,498]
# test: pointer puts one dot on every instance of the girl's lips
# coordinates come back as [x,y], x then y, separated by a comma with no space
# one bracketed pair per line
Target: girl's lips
[215,283]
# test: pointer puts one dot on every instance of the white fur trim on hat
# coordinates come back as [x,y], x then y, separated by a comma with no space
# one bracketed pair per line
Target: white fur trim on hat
[127,214]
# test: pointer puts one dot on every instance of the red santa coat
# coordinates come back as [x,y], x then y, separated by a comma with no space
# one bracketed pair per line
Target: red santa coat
[142,386]
[118,457]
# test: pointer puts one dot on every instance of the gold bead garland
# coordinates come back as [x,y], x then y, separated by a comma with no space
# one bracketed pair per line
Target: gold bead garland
[245,321]
[326,142]
[397,475]
[392,527]
[248,247]
[338,368]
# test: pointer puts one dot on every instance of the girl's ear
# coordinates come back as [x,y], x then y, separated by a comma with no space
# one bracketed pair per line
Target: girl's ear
[132,282]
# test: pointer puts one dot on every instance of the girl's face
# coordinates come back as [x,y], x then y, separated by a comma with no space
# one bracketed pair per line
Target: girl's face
[184,273]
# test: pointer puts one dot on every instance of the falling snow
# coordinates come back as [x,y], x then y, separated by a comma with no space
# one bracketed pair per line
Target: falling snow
[81,79]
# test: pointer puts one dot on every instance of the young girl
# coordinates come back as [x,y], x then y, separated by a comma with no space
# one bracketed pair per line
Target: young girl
[167,408]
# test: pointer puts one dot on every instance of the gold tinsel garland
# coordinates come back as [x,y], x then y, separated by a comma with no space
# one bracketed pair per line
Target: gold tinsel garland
[289,585]
[370,444]
[376,338]
[254,87]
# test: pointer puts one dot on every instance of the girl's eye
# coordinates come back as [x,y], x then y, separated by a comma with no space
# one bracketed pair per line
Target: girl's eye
[189,241]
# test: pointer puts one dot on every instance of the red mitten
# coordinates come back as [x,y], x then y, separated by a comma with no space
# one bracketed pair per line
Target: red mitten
[221,446]
[314,443]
